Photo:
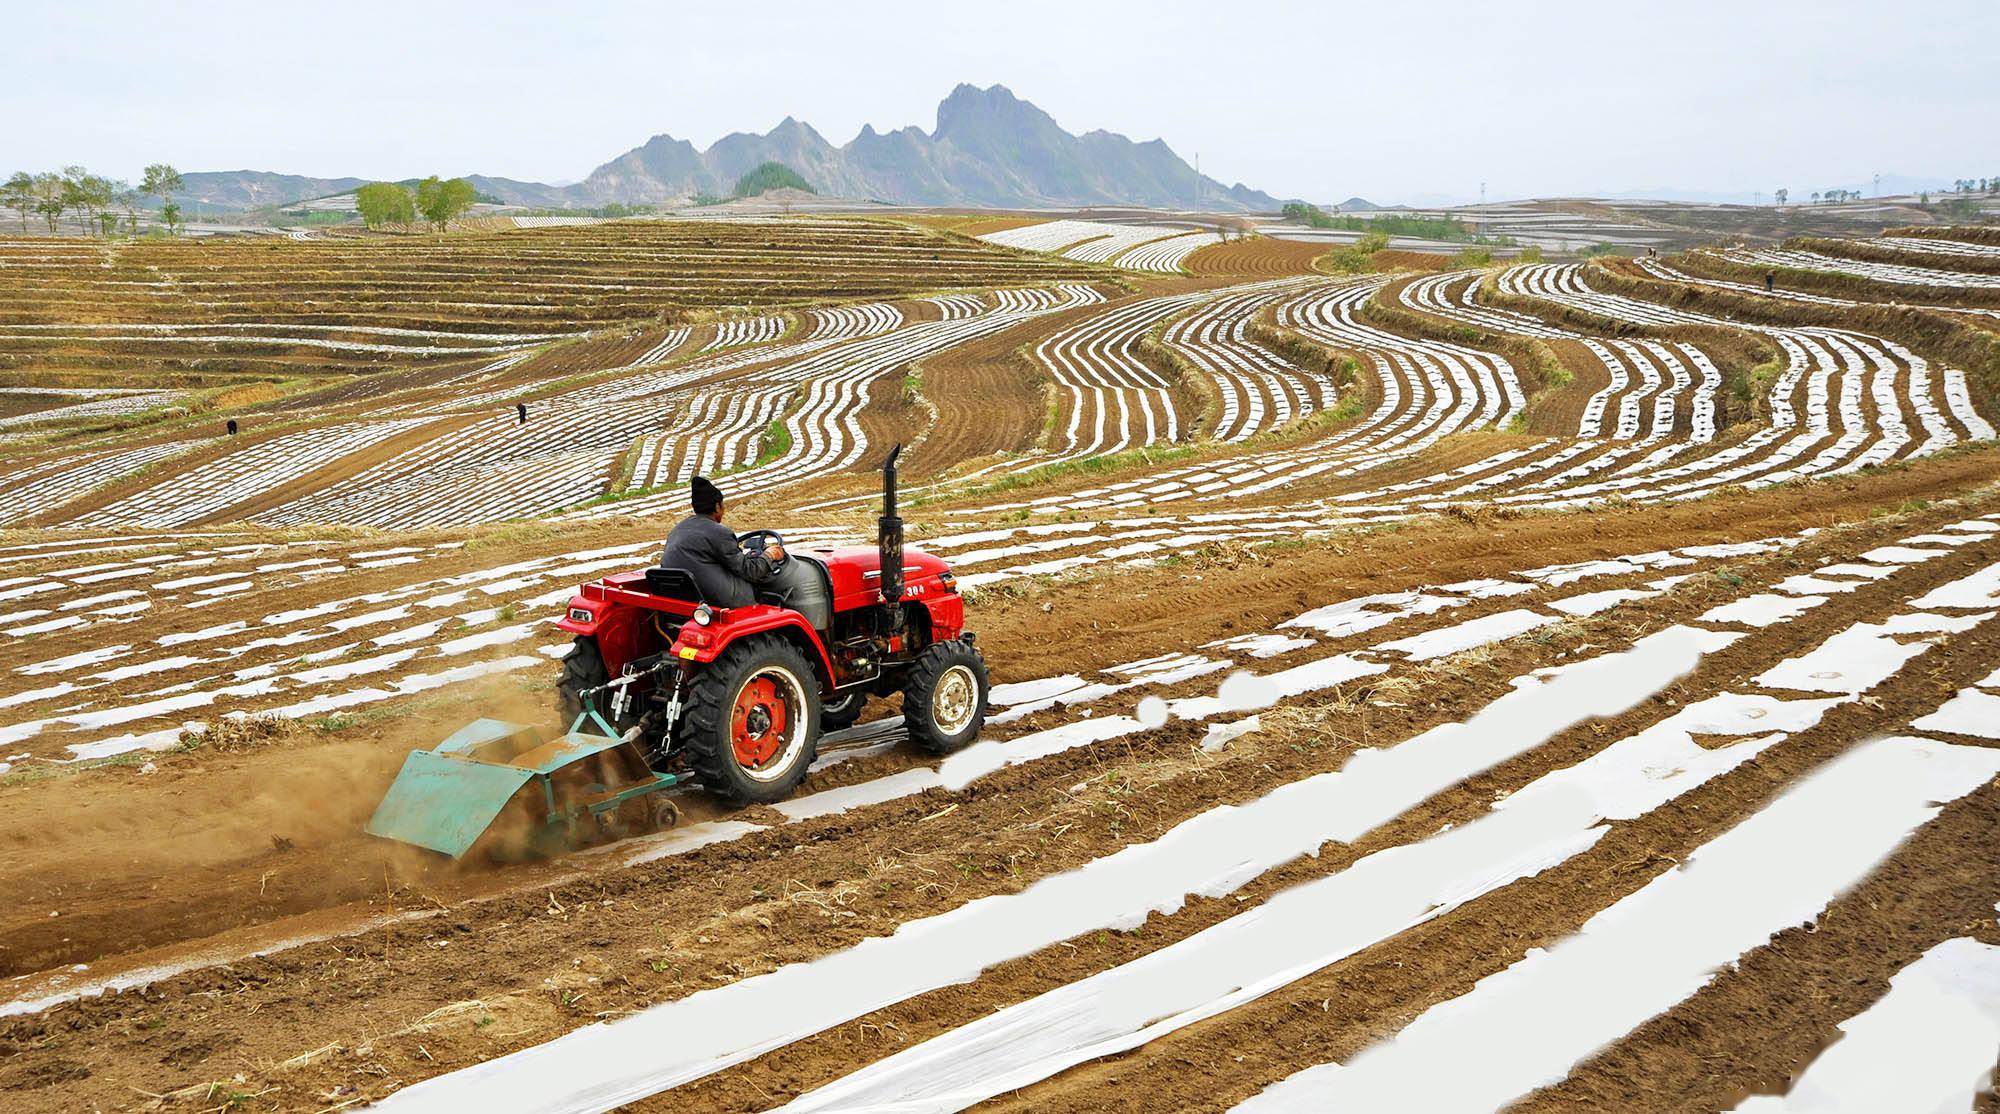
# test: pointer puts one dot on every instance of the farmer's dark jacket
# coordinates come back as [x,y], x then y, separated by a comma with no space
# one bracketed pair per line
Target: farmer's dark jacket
[707,550]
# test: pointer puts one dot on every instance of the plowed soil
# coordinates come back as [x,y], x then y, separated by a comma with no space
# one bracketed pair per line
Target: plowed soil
[187,859]
[1256,255]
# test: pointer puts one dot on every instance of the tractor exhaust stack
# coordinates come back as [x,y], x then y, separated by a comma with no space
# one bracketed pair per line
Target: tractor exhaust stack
[889,538]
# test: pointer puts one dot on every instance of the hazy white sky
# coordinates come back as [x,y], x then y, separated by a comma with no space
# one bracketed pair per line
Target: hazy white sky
[1390,101]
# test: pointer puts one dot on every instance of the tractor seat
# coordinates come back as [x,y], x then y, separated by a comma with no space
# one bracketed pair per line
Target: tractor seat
[673,584]
[803,586]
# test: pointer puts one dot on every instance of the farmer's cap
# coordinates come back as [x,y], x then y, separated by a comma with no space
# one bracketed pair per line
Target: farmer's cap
[706,496]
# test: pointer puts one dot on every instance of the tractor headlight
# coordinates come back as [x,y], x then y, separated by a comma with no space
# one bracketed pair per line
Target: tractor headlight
[702,614]
[580,615]
[949,581]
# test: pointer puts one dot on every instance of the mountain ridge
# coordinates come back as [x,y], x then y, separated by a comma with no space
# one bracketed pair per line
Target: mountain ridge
[988,148]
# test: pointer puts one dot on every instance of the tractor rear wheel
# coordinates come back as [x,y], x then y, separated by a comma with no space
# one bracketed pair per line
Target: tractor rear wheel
[944,697]
[752,723]
[583,668]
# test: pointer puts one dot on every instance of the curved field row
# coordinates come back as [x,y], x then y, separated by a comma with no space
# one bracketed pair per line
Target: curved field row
[1935,245]
[952,306]
[495,384]
[242,476]
[840,322]
[745,330]
[32,491]
[1650,377]
[986,395]
[1259,390]
[1167,254]
[1844,402]
[567,452]
[1899,274]
[1425,391]
[1660,269]
[134,402]
[822,432]
[1115,239]
[1139,247]
[493,469]
[1049,237]
[1113,400]
[1255,255]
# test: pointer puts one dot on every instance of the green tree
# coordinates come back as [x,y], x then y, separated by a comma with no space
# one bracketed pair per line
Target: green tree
[51,199]
[1310,215]
[439,201]
[170,215]
[383,203]
[161,180]
[18,194]
[770,176]
[75,197]
[88,194]
[128,200]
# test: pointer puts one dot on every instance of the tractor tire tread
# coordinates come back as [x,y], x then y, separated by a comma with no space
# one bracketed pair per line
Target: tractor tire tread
[923,677]
[582,668]
[706,718]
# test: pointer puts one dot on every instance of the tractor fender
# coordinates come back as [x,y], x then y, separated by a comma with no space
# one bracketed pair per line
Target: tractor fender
[945,612]
[749,622]
[620,631]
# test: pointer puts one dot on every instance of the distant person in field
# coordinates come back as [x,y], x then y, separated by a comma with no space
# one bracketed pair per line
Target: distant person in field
[1770,281]
[706,549]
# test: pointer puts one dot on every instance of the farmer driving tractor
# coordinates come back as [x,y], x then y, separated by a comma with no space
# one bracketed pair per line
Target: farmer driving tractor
[708,551]
[724,666]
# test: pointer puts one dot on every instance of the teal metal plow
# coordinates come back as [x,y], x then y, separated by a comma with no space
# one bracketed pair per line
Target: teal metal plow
[446,798]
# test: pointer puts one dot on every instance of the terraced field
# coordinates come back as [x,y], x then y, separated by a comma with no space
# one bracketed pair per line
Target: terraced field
[1137,247]
[77,313]
[1547,686]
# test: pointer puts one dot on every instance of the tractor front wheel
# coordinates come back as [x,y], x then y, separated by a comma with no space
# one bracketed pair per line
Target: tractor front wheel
[752,722]
[944,697]
[841,714]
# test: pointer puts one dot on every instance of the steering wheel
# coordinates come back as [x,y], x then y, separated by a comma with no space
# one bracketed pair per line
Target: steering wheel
[757,540]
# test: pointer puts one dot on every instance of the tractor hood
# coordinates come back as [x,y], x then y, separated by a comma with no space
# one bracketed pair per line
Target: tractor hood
[856,570]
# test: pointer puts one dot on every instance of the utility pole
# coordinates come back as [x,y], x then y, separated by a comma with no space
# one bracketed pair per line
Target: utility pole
[1878,185]
[1197,181]
[1482,193]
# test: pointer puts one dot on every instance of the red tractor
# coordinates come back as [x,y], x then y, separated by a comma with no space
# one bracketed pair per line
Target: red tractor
[662,686]
[739,696]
